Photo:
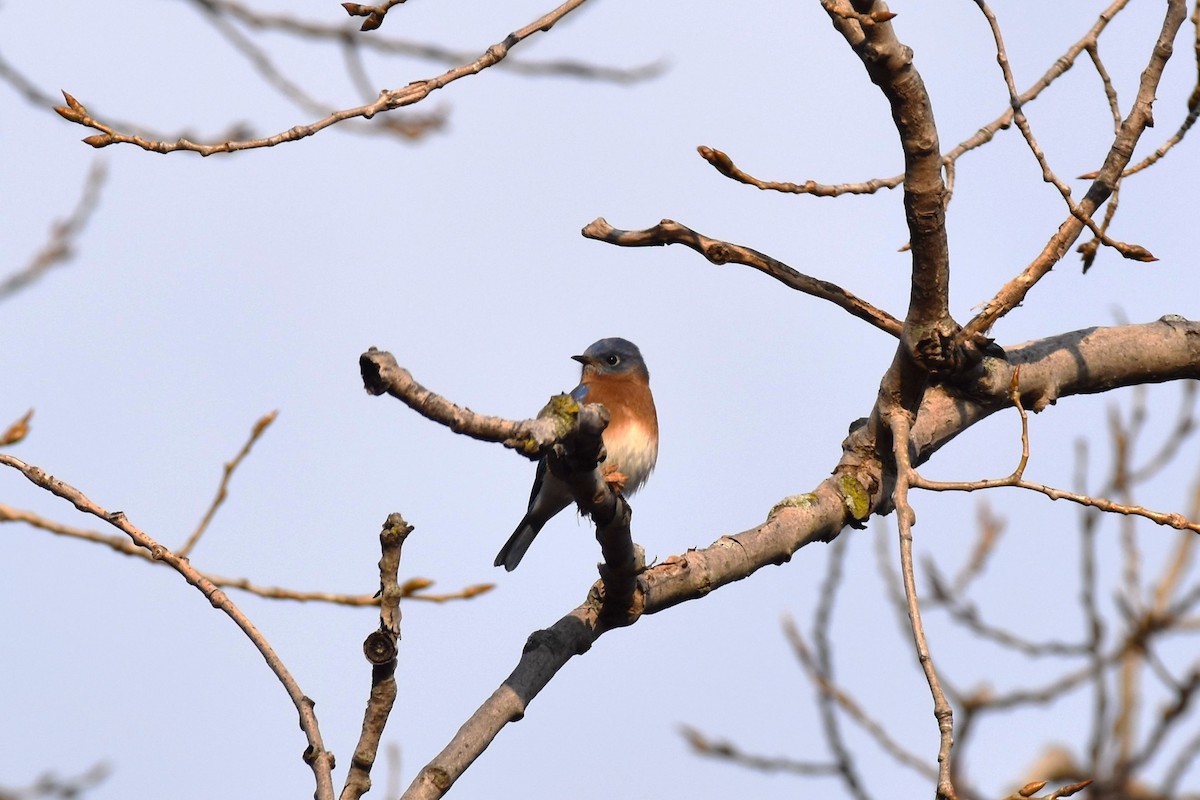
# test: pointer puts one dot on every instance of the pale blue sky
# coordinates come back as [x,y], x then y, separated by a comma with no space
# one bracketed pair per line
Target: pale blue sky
[209,291]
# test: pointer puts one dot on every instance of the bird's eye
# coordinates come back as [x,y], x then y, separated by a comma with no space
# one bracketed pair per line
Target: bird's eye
[613,360]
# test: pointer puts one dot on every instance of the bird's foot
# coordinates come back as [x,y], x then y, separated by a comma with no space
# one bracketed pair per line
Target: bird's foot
[615,479]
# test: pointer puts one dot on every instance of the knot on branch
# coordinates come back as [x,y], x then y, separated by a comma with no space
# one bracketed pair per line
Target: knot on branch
[945,351]
[380,648]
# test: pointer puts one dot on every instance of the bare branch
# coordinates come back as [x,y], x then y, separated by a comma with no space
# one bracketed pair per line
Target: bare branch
[413,589]
[380,648]
[256,432]
[1172,519]
[822,619]
[61,245]
[852,708]
[1140,117]
[967,615]
[381,374]
[897,422]
[410,126]
[990,527]
[724,165]
[889,64]
[292,25]
[718,252]
[725,751]
[388,100]
[1135,252]
[316,756]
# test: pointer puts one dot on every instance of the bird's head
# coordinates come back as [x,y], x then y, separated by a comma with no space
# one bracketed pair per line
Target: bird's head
[613,356]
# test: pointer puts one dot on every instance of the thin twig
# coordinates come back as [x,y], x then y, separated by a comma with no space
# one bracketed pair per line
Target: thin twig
[410,126]
[990,528]
[60,247]
[728,752]
[1132,251]
[290,24]
[1015,480]
[1095,621]
[391,99]
[723,164]
[967,615]
[851,707]
[898,423]
[1140,117]
[257,431]
[413,589]
[822,620]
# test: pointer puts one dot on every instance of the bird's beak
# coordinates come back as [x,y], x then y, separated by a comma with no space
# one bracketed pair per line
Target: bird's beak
[585,360]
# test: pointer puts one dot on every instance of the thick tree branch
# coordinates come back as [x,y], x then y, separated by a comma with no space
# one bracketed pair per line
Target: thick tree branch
[567,434]
[889,65]
[1076,363]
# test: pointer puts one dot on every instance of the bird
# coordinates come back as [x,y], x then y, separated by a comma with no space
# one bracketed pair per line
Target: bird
[614,375]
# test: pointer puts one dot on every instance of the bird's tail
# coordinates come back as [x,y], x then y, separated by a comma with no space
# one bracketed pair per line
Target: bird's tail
[514,549]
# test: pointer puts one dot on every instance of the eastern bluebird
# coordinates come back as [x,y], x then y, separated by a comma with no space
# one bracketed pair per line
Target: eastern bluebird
[615,376]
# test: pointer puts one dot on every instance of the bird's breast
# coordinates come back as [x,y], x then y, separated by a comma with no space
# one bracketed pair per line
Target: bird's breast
[632,451]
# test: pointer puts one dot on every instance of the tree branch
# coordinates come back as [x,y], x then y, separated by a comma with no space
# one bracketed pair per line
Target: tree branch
[60,247]
[856,489]
[380,648]
[389,99]
[413,589]
[1140,117]
[718,252]
[316,756]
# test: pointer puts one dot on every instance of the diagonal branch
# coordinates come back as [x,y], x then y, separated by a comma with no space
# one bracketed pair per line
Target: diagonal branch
[60,246]
[316,756]
[1140,117]
[718,252]
[815,516]
[256,432]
